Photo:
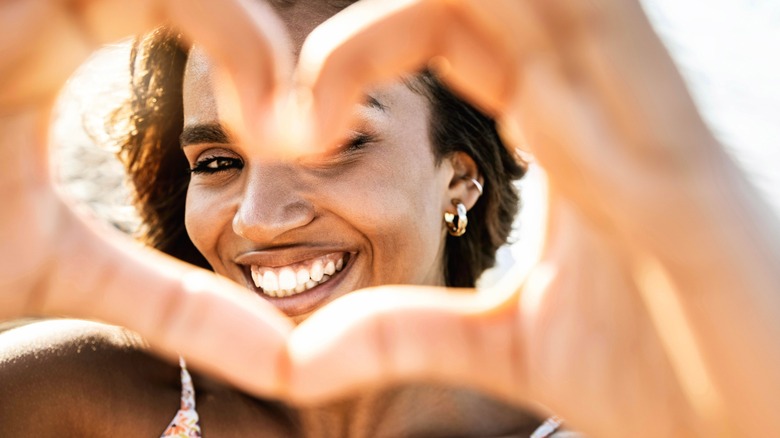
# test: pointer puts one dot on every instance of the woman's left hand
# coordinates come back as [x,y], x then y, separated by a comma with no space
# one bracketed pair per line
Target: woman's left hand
[54,262]
[643,203]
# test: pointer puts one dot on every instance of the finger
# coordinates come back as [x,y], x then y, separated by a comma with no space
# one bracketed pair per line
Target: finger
[245,36]
[376,41]
[249,46]
[253,57]
[179,309]
[45,41]
[41,47]
[398,334]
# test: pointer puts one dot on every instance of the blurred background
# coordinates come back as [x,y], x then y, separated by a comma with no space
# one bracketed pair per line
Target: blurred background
[727,50]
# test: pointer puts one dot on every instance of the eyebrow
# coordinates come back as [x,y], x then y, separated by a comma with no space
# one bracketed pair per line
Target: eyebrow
[374,103]
[204,133]
[337,4]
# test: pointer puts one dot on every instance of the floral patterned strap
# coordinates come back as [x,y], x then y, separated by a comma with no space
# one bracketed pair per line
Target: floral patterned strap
[186,423]
[547,428]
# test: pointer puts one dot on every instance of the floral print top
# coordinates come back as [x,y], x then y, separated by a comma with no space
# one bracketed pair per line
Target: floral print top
[186,423]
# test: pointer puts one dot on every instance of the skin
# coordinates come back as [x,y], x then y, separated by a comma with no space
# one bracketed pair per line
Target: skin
[280,212]
[635,177]
[375,204]
[87,379]
[139,393]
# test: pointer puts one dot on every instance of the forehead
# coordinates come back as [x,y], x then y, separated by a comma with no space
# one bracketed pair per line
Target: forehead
[302,16]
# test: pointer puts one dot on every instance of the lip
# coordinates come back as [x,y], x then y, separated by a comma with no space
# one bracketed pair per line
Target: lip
[303,302]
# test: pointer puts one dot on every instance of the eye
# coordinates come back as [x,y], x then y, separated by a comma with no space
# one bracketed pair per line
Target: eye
[214,164]
[356,142]
[349,150]
[341,4]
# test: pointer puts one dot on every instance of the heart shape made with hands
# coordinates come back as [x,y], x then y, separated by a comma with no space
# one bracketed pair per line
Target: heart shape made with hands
[556,74]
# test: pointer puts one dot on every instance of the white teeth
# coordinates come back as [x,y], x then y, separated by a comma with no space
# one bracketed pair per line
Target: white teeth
[287,280]
[256,277]
[316,271]
[270,282]
[330,268]
[284,282]
[302,276]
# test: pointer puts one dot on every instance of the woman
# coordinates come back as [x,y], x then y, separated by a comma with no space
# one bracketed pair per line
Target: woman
[367,213]
[580,326]
[330,223]
[455,132]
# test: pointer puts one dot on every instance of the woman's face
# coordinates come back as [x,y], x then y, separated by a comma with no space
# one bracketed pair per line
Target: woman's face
[304,232]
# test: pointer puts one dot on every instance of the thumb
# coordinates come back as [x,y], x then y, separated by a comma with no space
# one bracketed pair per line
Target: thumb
[395,334]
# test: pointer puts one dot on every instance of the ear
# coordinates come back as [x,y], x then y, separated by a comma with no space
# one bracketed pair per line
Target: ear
[466,182]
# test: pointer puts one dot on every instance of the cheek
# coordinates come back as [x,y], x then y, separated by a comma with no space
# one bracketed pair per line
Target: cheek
[205,216]
[397,208]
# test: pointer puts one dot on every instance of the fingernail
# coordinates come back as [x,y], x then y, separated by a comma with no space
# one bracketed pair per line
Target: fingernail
[440,66]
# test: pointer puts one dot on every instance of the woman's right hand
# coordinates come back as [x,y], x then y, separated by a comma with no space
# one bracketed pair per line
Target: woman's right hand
[55,262]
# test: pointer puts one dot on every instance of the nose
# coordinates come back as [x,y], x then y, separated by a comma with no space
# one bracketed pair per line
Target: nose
[271,204]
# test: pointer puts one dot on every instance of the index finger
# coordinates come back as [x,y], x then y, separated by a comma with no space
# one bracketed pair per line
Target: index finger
[466,43]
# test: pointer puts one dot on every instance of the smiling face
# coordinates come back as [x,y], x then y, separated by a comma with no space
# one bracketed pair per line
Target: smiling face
[302,233]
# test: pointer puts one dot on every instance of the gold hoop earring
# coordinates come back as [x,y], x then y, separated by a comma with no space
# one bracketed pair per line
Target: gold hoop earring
[456,225]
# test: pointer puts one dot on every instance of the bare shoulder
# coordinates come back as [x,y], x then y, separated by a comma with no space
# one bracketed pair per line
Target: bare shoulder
[82,378]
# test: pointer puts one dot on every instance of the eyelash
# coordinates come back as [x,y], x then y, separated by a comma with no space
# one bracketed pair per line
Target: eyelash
[223,164]
[356,142]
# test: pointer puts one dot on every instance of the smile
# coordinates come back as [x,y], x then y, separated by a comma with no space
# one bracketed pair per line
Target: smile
[285,281]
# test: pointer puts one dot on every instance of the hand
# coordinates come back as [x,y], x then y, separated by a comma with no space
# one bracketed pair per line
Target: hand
[44,266]
[54,262]
[639,185]
[573,336]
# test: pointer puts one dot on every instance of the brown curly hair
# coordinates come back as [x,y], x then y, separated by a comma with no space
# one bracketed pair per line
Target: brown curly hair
[159,172]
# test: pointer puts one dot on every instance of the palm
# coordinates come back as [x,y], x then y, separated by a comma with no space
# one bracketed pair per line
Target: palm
[31,220]
[588,335]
